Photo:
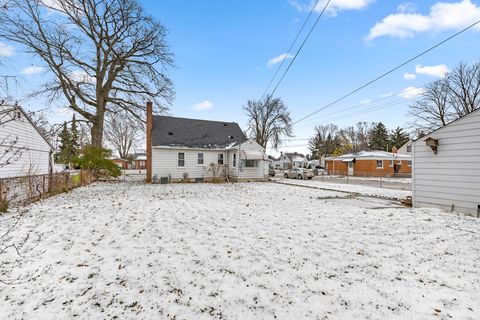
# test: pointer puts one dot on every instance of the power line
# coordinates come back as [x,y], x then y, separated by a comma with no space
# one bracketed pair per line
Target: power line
[290,49]
[301,47]
[388,72]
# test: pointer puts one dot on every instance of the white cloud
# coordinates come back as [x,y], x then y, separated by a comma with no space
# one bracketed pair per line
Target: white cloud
[386,95]
[333,8]
[32,70]
[435,71]
[6,50]
[204,105]
[64,111]
[279,59]
[409,76]
[411,92]
[407,7]
[366,101]
[81,76]
[442,16]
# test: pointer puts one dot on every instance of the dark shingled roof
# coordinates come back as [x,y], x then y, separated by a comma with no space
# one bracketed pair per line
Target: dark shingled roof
[192,133]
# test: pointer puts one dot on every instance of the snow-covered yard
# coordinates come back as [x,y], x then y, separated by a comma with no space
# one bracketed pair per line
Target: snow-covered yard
[351,188]
[240,251]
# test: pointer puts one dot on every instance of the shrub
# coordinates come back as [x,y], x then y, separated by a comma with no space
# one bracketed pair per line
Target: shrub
[96,159]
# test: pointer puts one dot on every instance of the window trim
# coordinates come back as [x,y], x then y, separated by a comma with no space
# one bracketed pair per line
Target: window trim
[255,162]
[198,158]
[221,155]
[381,161]
[184,159]
[391,163]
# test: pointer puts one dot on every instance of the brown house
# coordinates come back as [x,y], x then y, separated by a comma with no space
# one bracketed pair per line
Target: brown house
[370,164]
[140,162]
[121,163]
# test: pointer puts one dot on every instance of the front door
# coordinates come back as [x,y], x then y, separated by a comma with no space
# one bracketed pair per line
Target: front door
[350,168]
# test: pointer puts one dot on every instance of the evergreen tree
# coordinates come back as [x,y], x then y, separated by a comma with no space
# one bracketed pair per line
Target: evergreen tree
[398,137]
[65,145]
[379,139]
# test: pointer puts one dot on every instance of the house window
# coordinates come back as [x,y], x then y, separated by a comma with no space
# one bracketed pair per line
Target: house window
[409,148]
[251,163]
[409,163]
[390,163]
[220,158]
[379,164]
[200,158]
[181,159]
[234,160]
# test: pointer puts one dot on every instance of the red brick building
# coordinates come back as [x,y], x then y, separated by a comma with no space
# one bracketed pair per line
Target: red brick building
[370,164]
[121,163]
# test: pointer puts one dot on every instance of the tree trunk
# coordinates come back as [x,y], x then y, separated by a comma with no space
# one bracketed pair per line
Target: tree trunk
[97,129]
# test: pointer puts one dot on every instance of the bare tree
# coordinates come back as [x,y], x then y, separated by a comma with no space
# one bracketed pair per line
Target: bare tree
[324,141]
[363,134]
[464,88]
[433,109]
[450,98]
[269,121]
[122,133]
[104,54]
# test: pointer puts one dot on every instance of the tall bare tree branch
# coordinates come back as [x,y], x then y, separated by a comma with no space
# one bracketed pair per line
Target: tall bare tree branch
[269,121]
[105,55]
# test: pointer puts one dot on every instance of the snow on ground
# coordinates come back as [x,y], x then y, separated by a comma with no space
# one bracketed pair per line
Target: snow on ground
[241,251]
[353,188]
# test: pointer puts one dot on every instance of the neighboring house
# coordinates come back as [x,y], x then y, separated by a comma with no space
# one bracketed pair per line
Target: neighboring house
[447,167]
[140,159]
[140,162]
[24,150]
[290,160]
[122,163]
[406,148]
[370,163]
[180,148]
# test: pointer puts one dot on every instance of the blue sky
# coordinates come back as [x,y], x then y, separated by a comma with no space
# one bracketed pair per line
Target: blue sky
[222,51]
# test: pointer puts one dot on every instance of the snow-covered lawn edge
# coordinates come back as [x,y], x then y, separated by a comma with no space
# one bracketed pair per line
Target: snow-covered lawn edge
[382,193]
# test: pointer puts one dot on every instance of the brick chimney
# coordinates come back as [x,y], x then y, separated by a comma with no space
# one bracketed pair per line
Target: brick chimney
[394,149]
[149,141]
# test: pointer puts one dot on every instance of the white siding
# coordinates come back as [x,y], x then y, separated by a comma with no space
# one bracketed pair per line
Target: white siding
[165,164]
[452,176]
[33,156]
[260,172]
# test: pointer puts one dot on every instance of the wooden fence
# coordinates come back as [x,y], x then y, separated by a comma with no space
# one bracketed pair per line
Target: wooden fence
[27,189]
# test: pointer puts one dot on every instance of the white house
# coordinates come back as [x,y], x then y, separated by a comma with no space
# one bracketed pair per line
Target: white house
[23,148]
[406,148]
[181,148]
[291,160]
[447,167]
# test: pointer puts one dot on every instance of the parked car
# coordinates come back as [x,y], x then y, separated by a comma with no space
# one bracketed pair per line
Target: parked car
[271,172]
[299,173]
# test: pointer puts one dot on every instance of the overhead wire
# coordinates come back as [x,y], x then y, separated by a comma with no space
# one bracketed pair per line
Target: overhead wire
[287,54]
[301,46]
[387,73]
